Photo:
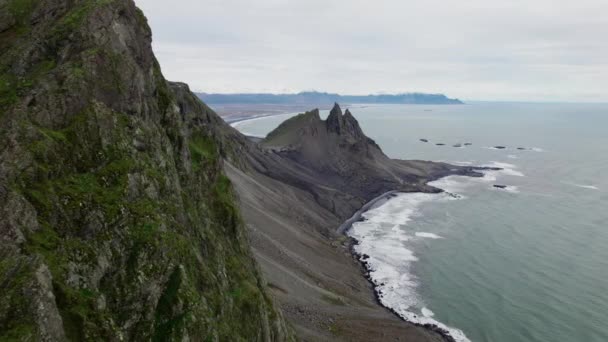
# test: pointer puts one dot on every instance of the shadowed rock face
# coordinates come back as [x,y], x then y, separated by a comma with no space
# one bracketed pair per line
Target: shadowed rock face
[337,154]
[116,219]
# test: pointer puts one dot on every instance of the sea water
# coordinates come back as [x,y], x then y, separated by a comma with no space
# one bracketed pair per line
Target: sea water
[524,263]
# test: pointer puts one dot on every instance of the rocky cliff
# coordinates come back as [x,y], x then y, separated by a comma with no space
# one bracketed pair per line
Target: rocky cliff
[337,155]
[116,219]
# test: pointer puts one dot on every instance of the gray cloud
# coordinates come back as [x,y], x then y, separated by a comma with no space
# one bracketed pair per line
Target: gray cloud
[477,49]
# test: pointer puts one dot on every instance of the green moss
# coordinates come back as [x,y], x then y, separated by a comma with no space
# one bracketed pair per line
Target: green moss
[77,72]
[77,305]
[75,18]
[202,150]
[8,90]
[163,94]
[167,321]
[57,136]
[15,323]
[224,207]
[19,332]
[21,10]
[13,87]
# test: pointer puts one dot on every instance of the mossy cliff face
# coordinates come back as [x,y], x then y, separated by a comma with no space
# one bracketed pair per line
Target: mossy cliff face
[116,220]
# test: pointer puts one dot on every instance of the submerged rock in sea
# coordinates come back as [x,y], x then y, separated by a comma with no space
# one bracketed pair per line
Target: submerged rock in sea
[468,144]
[440,144]
[500,147]
[424,140]
[500,186]
[522,148]
[457,145]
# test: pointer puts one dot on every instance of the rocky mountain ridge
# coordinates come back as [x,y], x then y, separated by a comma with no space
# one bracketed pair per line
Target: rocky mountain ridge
[117,221]
[339,155]
[322,98]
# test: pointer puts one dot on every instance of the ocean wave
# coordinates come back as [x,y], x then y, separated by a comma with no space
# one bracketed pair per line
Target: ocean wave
[512,156]
[427,235]
[383,240]
[454,185]
[426,312]
[507,169]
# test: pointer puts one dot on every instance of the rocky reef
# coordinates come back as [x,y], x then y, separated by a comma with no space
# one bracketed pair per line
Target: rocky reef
[116,219]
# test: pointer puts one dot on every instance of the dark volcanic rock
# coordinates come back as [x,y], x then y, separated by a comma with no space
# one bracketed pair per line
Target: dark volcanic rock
[440,144]
[522,148]
[334,156]
[468,144]
[500,147]
[457,145]
[424,140]
[499,186]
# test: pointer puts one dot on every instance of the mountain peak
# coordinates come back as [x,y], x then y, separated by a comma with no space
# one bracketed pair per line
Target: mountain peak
[344,124]
[334,121]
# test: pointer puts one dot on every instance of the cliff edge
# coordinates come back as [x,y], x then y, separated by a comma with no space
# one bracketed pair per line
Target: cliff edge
[116,219]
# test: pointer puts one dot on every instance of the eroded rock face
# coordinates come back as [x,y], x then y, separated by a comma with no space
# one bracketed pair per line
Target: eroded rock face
[116,220]
[339,165]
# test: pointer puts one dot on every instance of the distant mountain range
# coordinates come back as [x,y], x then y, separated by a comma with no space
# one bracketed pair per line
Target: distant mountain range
[313,97]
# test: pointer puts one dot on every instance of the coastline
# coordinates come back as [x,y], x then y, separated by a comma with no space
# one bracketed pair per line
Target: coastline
[367,206]
[352,242]
[361,258]
[233,113]
[231,122]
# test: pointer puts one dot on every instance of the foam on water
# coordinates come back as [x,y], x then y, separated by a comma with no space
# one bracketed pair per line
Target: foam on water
[507,169]
[512,156]
[383,237]
[510,188]
[427,313]
[428,235]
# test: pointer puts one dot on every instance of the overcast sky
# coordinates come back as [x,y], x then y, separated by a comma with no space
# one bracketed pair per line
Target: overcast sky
[528,50]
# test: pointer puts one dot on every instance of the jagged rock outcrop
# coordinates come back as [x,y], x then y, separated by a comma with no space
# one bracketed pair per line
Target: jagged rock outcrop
[336,154]
[116,219]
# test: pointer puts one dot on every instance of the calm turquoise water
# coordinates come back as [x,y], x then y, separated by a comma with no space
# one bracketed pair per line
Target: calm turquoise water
[529,263]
